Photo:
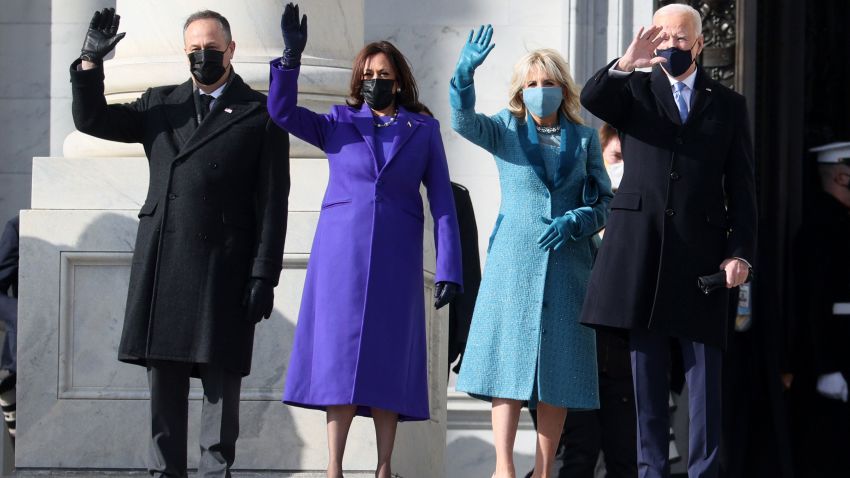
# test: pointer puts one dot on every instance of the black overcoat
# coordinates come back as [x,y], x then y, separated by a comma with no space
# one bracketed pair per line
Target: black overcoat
[214,216]
[686,203]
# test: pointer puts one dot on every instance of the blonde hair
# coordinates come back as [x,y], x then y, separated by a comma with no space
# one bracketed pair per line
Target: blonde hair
[555,66]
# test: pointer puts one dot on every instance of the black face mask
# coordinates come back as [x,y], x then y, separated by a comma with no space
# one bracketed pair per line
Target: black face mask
[678,61]
[207,66]
[378,93]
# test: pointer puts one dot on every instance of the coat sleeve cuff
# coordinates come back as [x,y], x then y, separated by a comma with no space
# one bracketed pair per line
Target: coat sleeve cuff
[82,76]
[461,98]
[266,269]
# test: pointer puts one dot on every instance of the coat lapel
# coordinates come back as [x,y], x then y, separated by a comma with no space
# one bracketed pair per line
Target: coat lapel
[180,113]
[366,126]
[664,94]
[571,147]
[531,147]
[406,125]
[228,109]
[702,95]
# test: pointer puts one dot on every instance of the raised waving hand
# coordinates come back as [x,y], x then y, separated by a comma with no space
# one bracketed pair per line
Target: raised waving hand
[473,54]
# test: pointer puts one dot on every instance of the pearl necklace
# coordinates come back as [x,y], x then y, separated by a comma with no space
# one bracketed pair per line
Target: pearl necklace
[548,129]
[388,123]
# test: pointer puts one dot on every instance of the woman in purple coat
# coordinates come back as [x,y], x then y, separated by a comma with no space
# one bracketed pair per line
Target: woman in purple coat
[360,340]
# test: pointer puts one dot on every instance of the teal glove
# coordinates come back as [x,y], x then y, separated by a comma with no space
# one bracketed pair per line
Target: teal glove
[561,229]
[474,53]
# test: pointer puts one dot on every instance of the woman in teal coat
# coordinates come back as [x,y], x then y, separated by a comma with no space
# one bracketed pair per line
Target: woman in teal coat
[526,343]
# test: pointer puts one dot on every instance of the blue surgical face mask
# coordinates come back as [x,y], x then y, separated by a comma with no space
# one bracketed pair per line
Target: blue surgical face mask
[543,101]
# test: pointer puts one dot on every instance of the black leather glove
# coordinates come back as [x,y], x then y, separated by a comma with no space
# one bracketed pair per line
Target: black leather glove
[294,36]
[444,292]
[259,299]
[102,36]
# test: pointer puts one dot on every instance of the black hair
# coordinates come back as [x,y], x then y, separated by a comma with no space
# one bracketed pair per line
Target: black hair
[211,15]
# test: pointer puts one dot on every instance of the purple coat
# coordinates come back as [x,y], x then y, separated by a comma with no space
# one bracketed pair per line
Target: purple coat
[360,337]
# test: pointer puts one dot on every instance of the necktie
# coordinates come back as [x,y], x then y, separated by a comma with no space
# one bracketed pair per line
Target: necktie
[678,95]
[206,100]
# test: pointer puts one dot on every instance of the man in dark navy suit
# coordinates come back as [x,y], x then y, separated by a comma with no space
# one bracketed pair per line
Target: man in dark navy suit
[685,208]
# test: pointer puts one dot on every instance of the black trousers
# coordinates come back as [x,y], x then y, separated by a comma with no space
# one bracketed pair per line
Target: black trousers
[169,385]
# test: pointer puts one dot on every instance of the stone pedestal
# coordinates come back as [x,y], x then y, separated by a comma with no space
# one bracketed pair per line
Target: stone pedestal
[81,409]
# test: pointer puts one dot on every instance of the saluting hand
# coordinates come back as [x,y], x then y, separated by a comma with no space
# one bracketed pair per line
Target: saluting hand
[294,32]
[101,37]
[641,53]
[473,54]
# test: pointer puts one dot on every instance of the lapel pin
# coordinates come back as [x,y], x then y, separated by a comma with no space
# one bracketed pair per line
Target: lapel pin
[409,125]
[228,110]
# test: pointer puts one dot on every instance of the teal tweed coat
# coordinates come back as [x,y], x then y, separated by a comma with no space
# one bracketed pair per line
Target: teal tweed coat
[525,342]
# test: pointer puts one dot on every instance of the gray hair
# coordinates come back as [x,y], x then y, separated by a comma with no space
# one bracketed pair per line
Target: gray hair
[681,8]
[210,15]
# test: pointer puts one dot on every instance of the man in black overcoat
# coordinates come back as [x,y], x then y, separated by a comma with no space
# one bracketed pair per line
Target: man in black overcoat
[685,208]
[209,247]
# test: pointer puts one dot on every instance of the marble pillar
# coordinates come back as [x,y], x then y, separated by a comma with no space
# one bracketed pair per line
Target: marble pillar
[79,408]
[24,98]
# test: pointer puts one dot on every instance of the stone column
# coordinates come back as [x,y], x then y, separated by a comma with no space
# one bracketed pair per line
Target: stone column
[75,399]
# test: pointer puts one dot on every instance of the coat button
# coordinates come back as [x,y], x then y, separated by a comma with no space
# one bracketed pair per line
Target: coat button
[674,176]
[214,165]
[670,213]
[172,196]
[379,182]
[679,140]
[377,198]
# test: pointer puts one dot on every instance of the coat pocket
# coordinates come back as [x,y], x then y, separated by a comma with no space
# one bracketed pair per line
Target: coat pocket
[239,220]
[495,230]
[148,209]
[335,203]
[626,201]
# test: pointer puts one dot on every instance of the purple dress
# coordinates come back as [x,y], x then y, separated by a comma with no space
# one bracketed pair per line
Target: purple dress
[360,337]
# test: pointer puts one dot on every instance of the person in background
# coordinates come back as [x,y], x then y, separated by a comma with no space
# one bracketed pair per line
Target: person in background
[611,429]
[612,154]
[525,344]
[819,386]
[9,260]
